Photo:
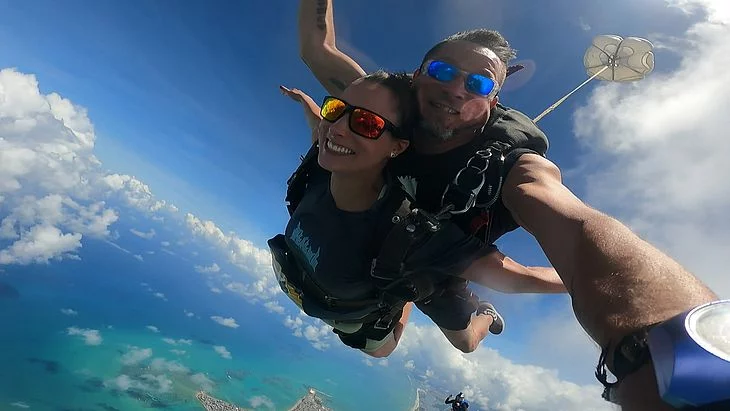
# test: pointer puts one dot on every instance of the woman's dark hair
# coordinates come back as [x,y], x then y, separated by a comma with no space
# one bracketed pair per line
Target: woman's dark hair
[401,85]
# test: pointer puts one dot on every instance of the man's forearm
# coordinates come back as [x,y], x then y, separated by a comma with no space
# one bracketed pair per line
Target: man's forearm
[334,69]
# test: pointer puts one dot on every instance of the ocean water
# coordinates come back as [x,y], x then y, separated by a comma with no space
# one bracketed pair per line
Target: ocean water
[123,365]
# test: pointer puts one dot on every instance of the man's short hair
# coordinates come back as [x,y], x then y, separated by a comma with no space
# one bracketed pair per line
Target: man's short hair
[490,39]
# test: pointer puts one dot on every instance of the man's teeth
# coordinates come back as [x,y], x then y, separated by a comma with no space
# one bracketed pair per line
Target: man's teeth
[338,149]
[445,108]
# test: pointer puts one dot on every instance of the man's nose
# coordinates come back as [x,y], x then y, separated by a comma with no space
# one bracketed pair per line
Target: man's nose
[455,88]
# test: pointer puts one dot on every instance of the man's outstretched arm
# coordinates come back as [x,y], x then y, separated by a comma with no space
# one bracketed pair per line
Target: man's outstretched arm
[334,69]
[501,273]
[618,282]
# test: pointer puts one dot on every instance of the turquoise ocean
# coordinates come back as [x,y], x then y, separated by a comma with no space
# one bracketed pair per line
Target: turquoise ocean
[90,334]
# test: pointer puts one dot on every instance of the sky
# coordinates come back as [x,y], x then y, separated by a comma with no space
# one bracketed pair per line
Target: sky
[172,110]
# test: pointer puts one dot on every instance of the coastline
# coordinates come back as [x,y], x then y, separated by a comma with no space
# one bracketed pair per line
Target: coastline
[310,402]
[417,403]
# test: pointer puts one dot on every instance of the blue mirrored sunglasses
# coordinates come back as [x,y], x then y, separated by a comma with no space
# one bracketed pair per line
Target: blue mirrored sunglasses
[474,83]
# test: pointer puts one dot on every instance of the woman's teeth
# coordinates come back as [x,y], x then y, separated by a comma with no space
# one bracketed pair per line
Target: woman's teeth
[338,149]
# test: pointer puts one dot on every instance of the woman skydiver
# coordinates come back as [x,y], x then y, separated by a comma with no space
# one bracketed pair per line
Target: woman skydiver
[325,259]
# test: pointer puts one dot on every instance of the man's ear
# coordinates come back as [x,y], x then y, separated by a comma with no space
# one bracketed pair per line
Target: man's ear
[494,102]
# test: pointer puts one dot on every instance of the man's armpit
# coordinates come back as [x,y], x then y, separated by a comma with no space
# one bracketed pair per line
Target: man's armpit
[338,83]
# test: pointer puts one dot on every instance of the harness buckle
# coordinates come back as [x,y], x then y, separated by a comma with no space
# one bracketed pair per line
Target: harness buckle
[381,324]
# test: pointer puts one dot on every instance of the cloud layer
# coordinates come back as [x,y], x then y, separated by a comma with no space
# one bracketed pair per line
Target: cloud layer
[662,147]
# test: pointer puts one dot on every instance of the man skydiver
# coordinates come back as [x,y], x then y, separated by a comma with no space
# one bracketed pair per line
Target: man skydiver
[619,284]
[458,403]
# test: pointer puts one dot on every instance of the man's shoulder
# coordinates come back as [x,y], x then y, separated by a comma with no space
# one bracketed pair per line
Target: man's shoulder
[514,127]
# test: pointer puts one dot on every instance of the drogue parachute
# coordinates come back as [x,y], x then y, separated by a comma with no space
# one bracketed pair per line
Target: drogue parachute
[613,58]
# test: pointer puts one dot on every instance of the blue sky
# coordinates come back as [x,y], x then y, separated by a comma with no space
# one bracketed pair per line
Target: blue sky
[183,96]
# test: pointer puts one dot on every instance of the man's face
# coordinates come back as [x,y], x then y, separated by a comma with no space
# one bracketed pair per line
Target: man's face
[448,108]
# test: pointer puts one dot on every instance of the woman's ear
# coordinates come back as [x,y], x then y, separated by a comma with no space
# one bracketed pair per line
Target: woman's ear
[400,146]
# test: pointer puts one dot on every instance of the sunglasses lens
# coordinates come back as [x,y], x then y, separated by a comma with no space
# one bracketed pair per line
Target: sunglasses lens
[366,124]
[479,84]
[441,71]
[332,109]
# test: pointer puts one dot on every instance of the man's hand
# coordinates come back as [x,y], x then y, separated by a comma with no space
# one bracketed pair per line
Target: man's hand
[334,69]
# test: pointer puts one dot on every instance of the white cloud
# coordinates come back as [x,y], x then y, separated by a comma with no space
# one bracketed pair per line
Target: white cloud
[253,261]
[160,296]
[368,362]
[153,328]
[146,382]
[205,383]
[91,337]
[138,257]
[178,352]
[583,25]
[274,307]
[215,290]
[69,311]
[165,243]
[142,234]
[226,322]
[214,268]
[409,365]
[172,341]
[19,404]
[49,178]
[52,186]
[222,351]
[259,401]
[136,194]
[492,381]
[136,355]
[40,244]
[383,362]
[314,330]
[188,313]
[163,365]
[664,152]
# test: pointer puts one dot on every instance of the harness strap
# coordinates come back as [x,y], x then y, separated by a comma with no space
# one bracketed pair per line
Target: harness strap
[475,185]
[297,183]
[409,227]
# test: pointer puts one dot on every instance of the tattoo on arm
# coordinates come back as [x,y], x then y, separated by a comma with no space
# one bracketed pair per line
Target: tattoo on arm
[321,12]
[338,83]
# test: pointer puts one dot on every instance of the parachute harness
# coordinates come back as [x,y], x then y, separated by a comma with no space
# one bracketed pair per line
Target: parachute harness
[477,184]
[630,354]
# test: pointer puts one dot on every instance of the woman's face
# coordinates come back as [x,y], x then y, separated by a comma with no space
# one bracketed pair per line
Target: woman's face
[342,150]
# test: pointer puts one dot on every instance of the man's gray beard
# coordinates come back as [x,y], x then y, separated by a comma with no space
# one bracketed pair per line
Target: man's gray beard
[431,131]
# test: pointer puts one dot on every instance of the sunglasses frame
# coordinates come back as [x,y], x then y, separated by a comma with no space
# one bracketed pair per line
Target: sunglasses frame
[465,74]
[349,108]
